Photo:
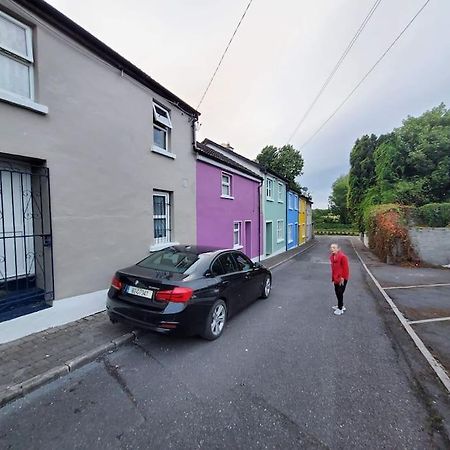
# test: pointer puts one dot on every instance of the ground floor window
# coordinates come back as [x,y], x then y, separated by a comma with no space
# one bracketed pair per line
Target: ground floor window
[237,235]
[290,233]
[161,217]
[280,230]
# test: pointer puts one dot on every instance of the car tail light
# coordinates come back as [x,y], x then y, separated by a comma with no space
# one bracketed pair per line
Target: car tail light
[116,283]
[177,295]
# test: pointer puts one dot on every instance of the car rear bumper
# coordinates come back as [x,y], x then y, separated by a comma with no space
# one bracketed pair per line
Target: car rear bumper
[183,322]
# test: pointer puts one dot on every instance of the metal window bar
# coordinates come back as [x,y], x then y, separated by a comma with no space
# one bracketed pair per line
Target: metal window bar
[162,220]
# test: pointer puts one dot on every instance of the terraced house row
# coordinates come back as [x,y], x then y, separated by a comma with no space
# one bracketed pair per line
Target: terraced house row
[99,165]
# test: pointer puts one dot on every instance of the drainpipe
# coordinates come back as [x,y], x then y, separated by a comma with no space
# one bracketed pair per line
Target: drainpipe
[260,233]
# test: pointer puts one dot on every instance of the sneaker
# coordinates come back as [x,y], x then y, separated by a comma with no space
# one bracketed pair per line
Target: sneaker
[343,308]
[338,312]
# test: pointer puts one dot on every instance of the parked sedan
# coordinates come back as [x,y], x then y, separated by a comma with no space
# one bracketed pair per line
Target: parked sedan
[187,289]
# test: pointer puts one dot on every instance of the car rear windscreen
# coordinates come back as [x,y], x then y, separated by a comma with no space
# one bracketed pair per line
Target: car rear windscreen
[169,260]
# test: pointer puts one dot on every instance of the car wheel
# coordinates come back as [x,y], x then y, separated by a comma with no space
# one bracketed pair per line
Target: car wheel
[215,322]
[267,287]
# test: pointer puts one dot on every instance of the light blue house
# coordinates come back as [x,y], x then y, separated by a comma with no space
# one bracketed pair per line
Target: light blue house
[292,220]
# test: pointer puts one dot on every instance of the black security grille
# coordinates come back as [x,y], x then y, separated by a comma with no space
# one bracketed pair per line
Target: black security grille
[26,257]
[162,223]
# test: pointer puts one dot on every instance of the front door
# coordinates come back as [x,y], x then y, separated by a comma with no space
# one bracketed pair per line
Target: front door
[248,239]
[269,238]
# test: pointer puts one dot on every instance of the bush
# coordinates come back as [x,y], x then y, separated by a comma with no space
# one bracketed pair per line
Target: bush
[386,226]
[434,215]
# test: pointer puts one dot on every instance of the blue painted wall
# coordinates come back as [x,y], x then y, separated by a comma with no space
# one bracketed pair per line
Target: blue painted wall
[292,220]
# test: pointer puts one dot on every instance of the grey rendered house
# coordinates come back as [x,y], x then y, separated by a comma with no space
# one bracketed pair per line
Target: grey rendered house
[97,161]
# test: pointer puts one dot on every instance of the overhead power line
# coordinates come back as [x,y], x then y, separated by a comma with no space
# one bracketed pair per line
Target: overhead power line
[336,67]
[223,54]
[367,74]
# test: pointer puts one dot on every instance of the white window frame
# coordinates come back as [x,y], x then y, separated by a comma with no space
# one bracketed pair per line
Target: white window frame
[166,239]
[162,119]
[269,188]
[162,123]
[237,227]
[26,59]
[296,203]
[290,233]
[280,221]
[228,185]
[280,193]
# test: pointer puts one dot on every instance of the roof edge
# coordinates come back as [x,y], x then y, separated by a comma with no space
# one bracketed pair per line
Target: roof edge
[70,28]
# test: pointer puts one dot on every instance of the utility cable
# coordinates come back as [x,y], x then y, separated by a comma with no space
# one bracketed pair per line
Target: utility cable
[223,55]
[336,67]
[367,74]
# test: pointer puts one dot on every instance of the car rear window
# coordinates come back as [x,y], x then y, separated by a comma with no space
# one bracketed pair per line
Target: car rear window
[169,260]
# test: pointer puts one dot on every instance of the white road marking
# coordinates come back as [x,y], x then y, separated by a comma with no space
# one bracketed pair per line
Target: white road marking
[435,365]
[417,286]
[436,319]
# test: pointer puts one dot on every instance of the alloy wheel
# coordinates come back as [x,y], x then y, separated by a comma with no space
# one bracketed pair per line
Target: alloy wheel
[218,320]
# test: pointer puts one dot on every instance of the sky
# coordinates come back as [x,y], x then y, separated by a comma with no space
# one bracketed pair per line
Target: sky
[276,64]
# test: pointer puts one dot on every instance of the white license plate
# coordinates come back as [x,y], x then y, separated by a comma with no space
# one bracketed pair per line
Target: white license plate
[139,292]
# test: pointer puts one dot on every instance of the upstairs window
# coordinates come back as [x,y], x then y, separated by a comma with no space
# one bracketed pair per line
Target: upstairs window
[162,125]
[269,189]
[16,58]
[226,185]
[280,192]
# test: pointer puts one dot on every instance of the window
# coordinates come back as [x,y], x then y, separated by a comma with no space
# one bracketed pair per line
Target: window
[226,185]
[161,217]
[237,235]
[290,233]
[296,203]
[291,200]
[280,230]
[243,263]
[16,58]
[280,192]
[269,189]
[224,264]
[161,129]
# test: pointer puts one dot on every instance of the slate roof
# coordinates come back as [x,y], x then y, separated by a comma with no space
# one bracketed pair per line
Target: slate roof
[220,157]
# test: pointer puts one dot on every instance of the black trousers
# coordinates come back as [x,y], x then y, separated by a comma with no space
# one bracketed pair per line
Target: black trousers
[340,289]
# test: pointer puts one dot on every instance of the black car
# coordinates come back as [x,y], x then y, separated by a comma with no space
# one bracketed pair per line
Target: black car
[187,289]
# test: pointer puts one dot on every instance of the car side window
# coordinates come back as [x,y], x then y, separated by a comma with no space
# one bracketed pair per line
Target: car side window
[224,264]
[243,262]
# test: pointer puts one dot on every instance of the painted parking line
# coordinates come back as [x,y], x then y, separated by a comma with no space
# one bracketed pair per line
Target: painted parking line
[417,286]
[437,319]
[432,361]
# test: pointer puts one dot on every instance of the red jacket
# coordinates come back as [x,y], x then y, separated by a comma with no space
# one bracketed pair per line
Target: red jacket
[339,267]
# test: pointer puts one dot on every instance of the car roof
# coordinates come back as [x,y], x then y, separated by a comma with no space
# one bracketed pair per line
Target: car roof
[198,249]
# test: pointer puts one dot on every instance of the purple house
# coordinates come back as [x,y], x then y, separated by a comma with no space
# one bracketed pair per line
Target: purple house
[228,205]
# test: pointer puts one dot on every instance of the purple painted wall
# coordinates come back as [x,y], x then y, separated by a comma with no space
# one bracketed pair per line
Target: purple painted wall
[216,215]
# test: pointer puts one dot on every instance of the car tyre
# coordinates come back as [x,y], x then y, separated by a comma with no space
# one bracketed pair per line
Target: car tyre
[267,287]
[215,321]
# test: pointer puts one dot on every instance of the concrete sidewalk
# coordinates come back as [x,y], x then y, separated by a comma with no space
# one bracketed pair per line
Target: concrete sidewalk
[34,360]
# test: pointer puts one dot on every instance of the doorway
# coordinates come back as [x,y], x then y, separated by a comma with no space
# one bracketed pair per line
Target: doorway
[248,238]
[269,238]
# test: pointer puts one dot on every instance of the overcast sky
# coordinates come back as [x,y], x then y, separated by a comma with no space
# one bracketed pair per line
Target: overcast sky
[279,59]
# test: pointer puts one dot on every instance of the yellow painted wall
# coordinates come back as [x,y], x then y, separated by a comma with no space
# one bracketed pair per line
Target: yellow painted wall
[302,221]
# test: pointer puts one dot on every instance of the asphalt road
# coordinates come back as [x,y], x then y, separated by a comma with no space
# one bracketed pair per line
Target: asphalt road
[287,373]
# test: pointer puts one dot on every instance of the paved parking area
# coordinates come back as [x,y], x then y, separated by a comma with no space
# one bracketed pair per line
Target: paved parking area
[422,295]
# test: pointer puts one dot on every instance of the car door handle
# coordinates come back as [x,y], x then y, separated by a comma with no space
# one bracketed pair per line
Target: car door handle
[225,282]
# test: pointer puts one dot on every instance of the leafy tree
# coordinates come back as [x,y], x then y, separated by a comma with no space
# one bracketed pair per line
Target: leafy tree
[361,176]
[285,161]
[338,199]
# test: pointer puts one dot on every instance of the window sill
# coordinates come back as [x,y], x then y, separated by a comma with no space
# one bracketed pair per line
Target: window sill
[269,199]
[280,201]
[156,247]
[163,152]
[228,197]
[23,102]
[279,241]
[238,247]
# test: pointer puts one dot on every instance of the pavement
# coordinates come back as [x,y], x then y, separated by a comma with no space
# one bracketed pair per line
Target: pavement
[286,373]
[32,361]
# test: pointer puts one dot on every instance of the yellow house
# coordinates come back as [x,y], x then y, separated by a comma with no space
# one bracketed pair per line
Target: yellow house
[302,221]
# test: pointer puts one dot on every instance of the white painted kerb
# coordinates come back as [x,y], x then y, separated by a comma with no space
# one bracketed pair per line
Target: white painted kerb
[62,312]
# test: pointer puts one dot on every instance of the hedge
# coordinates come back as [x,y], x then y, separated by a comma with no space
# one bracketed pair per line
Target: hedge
[434,215]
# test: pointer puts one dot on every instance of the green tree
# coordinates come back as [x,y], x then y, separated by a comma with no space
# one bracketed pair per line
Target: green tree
[285,161]
[338,199]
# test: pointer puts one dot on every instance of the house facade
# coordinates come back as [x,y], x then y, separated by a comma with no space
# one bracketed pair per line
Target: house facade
[228,203]
[292,220]
[97,161]
[302,220]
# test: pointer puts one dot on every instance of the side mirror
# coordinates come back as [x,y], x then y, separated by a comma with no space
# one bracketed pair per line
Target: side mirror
[257,265]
